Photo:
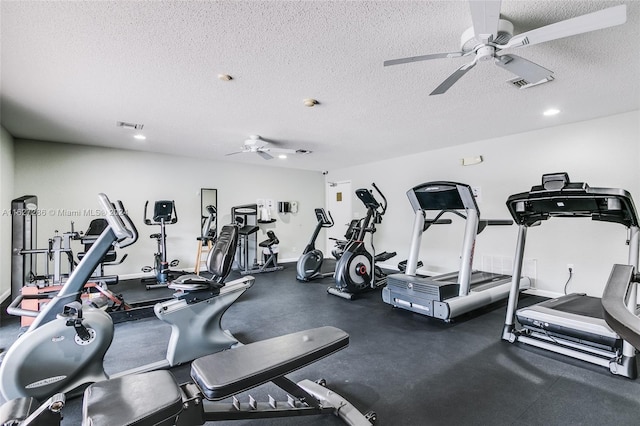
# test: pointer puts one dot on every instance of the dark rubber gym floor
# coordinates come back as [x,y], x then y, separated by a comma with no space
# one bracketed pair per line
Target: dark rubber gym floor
[409,369]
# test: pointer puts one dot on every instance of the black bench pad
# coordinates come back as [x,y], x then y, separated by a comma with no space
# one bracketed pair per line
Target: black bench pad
[152,398]
[226,373]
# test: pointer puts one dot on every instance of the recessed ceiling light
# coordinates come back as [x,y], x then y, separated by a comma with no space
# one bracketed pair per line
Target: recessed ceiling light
[140,137]
[225,77]
[282,156]
[551,111]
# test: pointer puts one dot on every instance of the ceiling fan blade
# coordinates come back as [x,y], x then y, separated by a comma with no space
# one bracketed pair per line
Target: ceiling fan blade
[283,150]
[451,80]
[599,20]
[529,71]
[422,58]
[264,155]
[485,16]
[237,152]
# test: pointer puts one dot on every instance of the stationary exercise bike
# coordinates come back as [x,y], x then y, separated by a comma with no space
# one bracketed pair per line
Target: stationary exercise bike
[309,264]
[356,270]
[63,349]
[164,213]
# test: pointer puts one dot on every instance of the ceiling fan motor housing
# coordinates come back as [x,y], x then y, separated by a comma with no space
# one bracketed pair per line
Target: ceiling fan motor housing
[469,42]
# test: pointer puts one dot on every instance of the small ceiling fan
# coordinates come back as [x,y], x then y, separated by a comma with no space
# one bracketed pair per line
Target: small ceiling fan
[255,144]
[489,35]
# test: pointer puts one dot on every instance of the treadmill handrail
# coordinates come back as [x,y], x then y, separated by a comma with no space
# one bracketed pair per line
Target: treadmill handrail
[614,304]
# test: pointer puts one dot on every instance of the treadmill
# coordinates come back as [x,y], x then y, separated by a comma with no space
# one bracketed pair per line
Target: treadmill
[572,325]
[449,295]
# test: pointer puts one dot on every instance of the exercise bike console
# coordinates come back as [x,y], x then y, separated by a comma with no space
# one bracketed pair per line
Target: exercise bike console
[164,213]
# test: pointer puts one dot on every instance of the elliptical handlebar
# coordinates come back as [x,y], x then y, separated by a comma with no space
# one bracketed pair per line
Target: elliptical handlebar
[331,222]
[383,205]
[120,223]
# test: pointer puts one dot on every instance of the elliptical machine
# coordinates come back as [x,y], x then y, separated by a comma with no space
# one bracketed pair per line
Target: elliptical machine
[356,270]
[164,213]
[63,349]
[309,264]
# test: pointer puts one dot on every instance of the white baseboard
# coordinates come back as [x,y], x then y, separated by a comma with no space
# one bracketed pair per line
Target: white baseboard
[543,293]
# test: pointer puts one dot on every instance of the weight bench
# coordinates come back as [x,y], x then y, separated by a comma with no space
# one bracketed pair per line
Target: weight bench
[155,398]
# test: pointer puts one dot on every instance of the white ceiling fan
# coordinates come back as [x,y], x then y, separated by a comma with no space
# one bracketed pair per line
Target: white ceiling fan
[255,144]
[489,35]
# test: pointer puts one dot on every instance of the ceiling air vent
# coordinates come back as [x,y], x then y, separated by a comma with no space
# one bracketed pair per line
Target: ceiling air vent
[519,82]
[129,125]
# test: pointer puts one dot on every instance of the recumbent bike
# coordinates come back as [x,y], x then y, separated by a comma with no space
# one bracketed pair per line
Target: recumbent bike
[63,349]
[215,377]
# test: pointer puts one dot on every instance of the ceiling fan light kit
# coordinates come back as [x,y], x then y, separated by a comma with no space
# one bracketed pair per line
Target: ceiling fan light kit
[489,35]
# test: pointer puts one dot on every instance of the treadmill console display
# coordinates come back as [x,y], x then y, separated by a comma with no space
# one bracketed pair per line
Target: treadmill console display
[442,196]
[566,199]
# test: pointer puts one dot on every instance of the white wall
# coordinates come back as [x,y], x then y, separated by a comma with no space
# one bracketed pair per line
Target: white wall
[69,177]
[6,195]
[602,152]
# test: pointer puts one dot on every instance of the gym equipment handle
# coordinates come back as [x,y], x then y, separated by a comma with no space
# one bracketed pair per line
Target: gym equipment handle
[115,221]
[15,309]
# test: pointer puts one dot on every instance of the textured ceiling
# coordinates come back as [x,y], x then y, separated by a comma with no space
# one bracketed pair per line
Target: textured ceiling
[70,70]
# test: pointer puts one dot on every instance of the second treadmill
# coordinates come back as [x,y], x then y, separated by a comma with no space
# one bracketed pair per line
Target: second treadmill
[572,324]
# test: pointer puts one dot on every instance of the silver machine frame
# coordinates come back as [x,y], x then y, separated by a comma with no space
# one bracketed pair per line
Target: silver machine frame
[569,333]
[449,295]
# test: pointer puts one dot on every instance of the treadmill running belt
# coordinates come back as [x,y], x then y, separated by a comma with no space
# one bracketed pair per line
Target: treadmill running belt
[578,304]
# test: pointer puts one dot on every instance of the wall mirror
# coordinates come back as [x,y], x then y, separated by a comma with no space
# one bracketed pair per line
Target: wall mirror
[208,212]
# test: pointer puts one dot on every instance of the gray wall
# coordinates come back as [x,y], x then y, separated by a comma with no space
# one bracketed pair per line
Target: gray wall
[602,152]
[6,195]
[69,177]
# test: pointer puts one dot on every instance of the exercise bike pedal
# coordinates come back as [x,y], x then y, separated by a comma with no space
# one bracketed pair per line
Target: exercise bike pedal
[339,293]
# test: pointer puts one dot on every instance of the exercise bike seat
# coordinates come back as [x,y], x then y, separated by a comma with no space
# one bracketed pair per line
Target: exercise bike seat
[219,262]
[226,373]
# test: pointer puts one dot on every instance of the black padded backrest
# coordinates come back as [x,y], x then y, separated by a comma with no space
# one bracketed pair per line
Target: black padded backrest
[96,227]
[221,256]
[273,238]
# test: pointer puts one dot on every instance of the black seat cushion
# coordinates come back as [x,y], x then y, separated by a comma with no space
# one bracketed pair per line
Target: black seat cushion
[220,257]
[219,263]
[225,373]
[152,398]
